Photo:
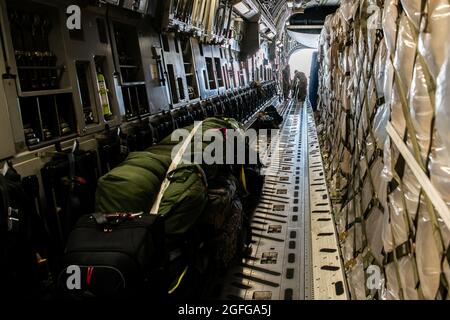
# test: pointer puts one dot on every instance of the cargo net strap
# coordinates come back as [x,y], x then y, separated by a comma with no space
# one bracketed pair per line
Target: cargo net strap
[175,162]
[382,72]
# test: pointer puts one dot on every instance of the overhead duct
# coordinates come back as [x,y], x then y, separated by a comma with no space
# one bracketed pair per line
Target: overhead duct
[312,16]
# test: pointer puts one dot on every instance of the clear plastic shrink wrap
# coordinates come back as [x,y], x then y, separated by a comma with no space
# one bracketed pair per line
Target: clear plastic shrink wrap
[440,154]
[390,66]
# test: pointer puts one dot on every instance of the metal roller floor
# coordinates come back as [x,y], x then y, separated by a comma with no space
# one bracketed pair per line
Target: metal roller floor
[294,252]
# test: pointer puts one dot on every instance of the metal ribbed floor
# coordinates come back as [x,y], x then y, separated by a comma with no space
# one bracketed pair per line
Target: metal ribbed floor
[283,263]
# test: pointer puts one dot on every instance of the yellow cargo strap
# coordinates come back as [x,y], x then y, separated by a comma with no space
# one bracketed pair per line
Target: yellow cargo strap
[243,179]
[179,281]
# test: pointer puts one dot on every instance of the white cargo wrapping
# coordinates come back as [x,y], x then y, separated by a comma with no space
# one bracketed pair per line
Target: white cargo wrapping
[428,255]
[398,218]
[379,124]
[421,108]
[390,63]
[390,16]
[434,39]
[347,9]
[403,64]
[408,278]
[374,233]
[392,282]
[411,193]
[357,280]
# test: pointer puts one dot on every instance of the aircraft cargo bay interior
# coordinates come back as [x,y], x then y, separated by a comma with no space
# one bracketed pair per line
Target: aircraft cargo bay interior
[225,150]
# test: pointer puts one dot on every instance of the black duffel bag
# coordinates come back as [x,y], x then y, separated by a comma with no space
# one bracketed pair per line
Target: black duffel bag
[118,255]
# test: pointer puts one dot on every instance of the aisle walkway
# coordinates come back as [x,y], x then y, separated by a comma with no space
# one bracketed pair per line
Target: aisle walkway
[284,264]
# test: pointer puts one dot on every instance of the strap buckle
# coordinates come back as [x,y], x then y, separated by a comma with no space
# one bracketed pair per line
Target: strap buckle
[13,219]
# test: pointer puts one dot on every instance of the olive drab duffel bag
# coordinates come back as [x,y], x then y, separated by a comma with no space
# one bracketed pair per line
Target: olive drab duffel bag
[133,185]
[184,200]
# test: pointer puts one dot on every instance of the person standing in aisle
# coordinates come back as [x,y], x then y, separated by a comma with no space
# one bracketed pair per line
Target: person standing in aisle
[286,75]
[300,86]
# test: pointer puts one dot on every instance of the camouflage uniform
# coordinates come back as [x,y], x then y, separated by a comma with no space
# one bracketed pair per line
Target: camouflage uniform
[301,85]
[286,81]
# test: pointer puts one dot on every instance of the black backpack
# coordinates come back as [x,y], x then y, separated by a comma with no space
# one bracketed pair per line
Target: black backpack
[115,256]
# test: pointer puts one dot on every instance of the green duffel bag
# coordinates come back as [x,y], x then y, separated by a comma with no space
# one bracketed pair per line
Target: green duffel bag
[184,199]
[208,124]
[132,186]
[166,146]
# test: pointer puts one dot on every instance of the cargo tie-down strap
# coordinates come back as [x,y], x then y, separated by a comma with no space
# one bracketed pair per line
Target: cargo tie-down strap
[175,162]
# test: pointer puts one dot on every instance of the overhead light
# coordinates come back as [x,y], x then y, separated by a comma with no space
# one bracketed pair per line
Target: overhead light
[242,8]
[271,34]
